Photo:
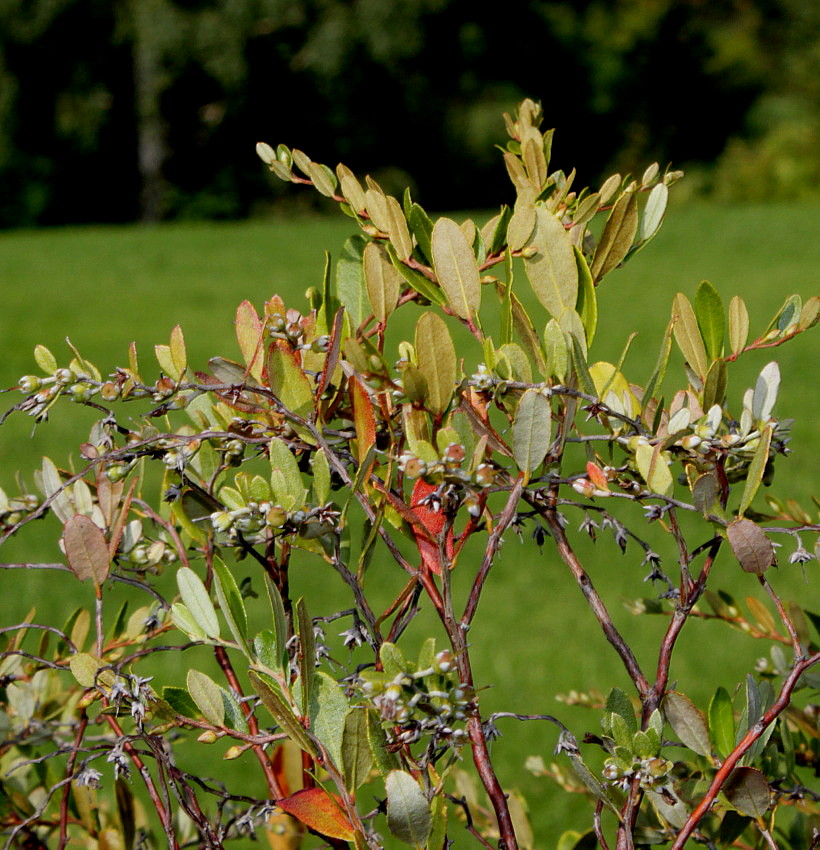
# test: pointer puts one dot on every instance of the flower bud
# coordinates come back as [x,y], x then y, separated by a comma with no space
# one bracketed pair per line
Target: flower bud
[584,486]
[208,737]
[233,752]
[64,376]
[29,383]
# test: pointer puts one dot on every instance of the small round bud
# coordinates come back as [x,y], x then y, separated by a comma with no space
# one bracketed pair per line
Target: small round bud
[233,752]
[109,391]
[584,486]
[208,737]
[484,475]
[29,383]
[64,376]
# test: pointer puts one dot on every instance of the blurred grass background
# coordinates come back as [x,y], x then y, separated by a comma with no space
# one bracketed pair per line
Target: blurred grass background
[106,286]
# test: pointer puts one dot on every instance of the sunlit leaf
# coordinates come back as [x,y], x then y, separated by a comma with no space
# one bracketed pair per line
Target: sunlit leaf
[587,304]
[281,711]
[383,281]
[687,335]
[765,392]
[710,318]
[456,268]
[197,600]
[756,470]
[738,324]
[552,270]
[654,469]
[687,721]
[722,722]
[531,430]
[409,817]
[231,602]
[357,758]
[654,212]
[315,808]
[436,356]
[207,695]
[616,240]
[249,337]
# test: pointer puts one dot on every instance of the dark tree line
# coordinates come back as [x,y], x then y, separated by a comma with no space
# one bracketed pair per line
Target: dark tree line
[122,109]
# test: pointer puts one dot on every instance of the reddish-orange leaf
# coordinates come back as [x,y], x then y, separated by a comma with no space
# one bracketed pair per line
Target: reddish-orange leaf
[319,811]
[364,418]
[433,521]
[597,476]
[249,337]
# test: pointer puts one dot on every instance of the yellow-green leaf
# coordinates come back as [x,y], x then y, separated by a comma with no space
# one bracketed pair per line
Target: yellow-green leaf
[552,270]
[616,240]
[531,430]
[456,268]
[383,281]
[409,817]
[653,469]
[399,232]
[687,335]
[436,360]
[757,467]
[738,324]
[179,356]
[207,696]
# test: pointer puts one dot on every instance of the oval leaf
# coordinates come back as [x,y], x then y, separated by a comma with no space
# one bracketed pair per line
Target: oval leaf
[752,548]
[436,360]
[738,324]
[616,240]
[687,721]
[86,550]
[552,270]
[757,467]
[208,697]
[409,816]
[722,722]
[709,312]
[197,600]
[748,791]
[315,808]
[382,280]
[456,268]
[687,335]
[531,431]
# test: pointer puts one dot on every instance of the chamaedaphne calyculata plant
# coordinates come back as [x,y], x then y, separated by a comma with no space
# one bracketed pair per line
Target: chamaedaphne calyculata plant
[382,460]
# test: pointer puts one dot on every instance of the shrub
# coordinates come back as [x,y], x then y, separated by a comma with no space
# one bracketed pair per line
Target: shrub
[315,444]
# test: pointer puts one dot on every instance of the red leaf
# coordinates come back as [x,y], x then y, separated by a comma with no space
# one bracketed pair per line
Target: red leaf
[364,418]
[433,521]
[317,810]
[597,476]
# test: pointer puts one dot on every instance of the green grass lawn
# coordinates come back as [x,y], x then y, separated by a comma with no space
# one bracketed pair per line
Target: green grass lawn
[104,287]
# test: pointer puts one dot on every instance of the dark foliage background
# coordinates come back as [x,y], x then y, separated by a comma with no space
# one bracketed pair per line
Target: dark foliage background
[114,110]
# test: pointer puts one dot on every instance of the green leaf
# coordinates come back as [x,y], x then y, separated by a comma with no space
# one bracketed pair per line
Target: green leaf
[234,716]
[557,352]
[710,318]
[616,240]
[436,360]
[323,179]
[687,722]
[424,286]
[54,489]
[357,758]
[722,722]
[86,670]
[738,324]
[422,228]
[531,431]
[328,710]
[438,832]
[656,379]
[456,268]
[579,364]
[757,468]
[384,760]
[687,335]
[399,232]
[714,387]
[409,816]
[208,697]
[350,286]
[522,223]
[552,270]
[747,789]
[180,701]
[287,380]
[196,599]
[286,479]
[705,492]
[526,335]
[587,304]
[86,550]
[321,477]
[307,652]
[266,651]
[752,548]
[45,359]
[351,188]
[618,703]
[281,711]
[383,281]
[231,603]
[184,620]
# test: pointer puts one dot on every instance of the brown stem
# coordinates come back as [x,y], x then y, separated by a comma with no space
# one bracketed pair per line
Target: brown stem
[72,760]
[593,599]
[780,704]
[799,652]
[253,726]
